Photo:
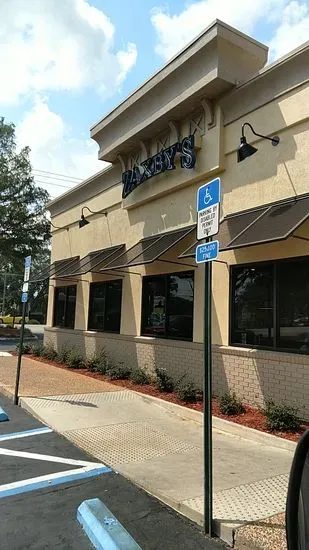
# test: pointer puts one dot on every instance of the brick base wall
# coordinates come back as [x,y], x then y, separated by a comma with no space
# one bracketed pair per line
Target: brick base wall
[253,374]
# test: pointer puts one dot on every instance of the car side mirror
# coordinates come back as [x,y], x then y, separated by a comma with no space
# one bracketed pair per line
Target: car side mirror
[297,506]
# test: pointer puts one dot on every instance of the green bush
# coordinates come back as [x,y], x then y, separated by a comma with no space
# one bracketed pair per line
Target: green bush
[230,405]
[37,349]
[164,382]
[138,376]
[281,417]
[26,348]
[97,362]
[33,322]
[75,360]
[188,393]
[62,354]
[118,372]
[49,352]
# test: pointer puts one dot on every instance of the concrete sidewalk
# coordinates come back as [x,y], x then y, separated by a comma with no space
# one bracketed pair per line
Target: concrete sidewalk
[158,446]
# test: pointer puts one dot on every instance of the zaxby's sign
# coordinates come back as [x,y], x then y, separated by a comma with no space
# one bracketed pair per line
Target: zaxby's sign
[162,161]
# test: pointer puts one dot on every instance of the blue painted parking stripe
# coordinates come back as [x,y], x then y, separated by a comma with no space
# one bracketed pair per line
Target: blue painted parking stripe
[26,433]
[50,480]
[3,415]
[102,527]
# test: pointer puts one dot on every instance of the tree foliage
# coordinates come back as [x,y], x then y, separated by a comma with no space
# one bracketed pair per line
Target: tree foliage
[23,222]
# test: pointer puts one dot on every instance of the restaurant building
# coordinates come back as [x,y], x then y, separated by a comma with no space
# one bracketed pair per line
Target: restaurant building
[123,273]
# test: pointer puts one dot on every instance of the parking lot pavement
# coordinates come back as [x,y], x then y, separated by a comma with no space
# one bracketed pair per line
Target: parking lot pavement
[45,518]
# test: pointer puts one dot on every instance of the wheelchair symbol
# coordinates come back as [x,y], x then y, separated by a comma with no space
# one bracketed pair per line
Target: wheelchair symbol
[207,197]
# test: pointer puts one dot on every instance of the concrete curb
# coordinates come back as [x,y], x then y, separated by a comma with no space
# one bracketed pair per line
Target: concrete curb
[102,528]
[3,415]
[236,430]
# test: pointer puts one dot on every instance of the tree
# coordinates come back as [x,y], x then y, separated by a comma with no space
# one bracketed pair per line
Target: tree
[23,223]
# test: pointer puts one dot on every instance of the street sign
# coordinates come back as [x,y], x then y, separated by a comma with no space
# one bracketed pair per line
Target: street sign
[208,210]
[28,261]
[27,268]
[25,287]
[207,252]
[24,297]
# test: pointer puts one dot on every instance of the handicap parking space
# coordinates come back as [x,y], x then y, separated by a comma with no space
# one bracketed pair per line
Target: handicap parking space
[44,517]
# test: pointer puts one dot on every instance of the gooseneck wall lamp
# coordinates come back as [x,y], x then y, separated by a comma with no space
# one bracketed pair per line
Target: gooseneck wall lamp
[245,149]
[82,222]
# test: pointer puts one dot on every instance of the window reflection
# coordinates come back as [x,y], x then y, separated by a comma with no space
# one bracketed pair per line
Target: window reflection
[168,306]
[293,285]
[64,306]
[253,306]
[105,306]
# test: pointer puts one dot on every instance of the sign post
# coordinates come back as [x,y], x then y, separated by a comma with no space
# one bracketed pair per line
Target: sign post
[208,201]
[24,299]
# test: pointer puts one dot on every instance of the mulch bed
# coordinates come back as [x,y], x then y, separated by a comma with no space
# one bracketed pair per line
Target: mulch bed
[251,417]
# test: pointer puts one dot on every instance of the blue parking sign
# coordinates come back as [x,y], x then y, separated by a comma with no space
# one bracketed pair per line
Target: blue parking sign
[208,211]
[207,252]
[24,297]
[28,261]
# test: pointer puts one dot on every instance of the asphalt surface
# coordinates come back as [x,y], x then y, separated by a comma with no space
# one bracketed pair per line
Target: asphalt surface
[46,518]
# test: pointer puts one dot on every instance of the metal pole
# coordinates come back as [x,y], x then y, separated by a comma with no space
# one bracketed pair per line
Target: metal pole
[207,395]
[20,352]
[4,294]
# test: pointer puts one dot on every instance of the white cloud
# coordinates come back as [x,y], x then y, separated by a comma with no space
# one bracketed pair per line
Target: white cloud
[293,29]
[58,45]
[174,31]
[290,20]
[54,149]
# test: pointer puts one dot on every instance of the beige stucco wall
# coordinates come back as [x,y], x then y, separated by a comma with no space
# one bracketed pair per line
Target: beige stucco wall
[167,202]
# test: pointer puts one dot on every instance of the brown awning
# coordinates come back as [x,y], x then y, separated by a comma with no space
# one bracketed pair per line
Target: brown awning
[92,262]
[149,249]
[265,224]
[55,269]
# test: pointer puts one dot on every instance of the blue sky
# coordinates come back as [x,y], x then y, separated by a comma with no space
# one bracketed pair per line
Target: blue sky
[66,64]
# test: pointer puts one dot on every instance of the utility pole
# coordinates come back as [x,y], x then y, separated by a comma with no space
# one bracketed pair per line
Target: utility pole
[3,295]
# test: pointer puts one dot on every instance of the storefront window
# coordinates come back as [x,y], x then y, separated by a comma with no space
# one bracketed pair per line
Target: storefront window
[64,307]
[293,287]
[253,306]
[105,306]
[168,306]
[270,305]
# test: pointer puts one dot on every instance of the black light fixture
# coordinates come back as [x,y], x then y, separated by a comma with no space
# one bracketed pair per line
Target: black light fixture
[82,222]
[47,236]
[245,149]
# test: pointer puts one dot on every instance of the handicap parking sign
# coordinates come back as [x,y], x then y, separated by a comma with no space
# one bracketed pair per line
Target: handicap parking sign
[208,211]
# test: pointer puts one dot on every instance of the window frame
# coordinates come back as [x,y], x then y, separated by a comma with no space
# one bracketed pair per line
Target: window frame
[65,288]
[166,277]
[276,303]
[105,284]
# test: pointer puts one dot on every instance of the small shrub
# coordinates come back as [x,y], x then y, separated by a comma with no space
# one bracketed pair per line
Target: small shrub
[230,405]
[26,348]
[49,352]
[75,360]
[138,376]
[97,362]
[164,382]
[281,417]
[118,372]
[37,349]
[62,354]
[188,393]
[33,322]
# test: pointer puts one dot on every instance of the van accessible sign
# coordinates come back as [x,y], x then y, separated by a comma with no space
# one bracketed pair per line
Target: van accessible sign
[161,162]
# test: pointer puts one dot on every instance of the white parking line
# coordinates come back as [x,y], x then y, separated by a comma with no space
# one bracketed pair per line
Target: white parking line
[41,482]
[49,458]
[26,433]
